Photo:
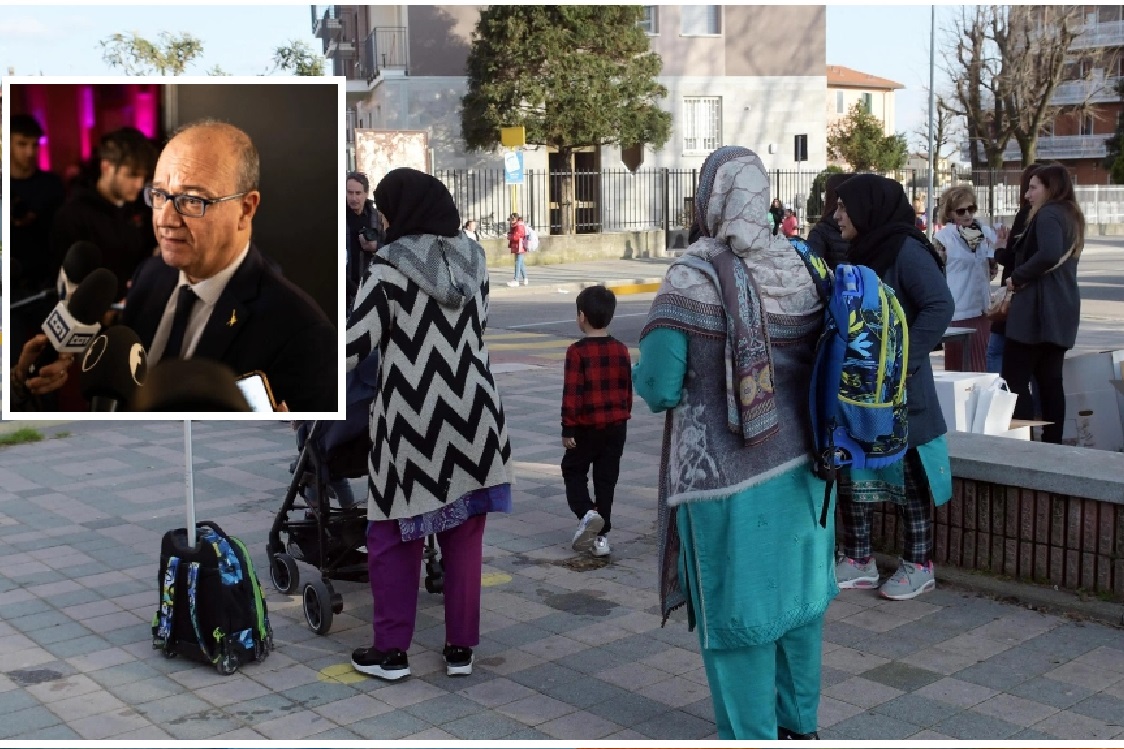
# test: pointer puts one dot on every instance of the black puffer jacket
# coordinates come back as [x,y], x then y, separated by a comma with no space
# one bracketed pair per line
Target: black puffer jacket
[826,241]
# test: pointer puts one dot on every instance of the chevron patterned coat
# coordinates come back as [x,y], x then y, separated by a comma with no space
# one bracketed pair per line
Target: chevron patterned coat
[437,426]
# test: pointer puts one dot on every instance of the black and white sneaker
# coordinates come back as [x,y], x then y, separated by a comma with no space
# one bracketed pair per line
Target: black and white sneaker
[458,660]
[390,665]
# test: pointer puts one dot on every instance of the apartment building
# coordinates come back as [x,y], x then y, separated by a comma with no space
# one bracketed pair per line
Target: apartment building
[405,66]
[847,87]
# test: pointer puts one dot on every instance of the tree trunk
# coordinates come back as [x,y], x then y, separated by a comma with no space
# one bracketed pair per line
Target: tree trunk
[1028,146]
[567,204]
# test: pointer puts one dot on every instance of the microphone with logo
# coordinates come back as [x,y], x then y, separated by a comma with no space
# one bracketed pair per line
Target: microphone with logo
[74,322]
[113,367]
[81,259]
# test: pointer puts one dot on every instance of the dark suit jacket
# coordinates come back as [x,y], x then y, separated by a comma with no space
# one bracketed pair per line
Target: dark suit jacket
[261,322]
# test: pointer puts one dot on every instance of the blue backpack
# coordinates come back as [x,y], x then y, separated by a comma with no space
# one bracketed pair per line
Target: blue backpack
[857,397]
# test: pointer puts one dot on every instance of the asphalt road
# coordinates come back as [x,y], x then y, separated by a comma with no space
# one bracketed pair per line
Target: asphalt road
[553,314]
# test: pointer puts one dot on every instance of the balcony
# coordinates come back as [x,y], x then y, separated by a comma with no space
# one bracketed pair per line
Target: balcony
[1095,91]
[339,48]
[1100,34]
[325,21]
[385,49]
[1060,147]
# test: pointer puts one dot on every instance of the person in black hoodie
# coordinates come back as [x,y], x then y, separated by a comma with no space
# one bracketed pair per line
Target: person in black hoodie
[105,210]
[824,239]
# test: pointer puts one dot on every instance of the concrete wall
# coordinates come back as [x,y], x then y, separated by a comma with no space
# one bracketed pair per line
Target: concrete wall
[579,247]
[799,49]
[881,103]
[1030,511]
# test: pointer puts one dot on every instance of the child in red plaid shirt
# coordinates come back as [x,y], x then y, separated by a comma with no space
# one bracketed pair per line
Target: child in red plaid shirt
[596,407]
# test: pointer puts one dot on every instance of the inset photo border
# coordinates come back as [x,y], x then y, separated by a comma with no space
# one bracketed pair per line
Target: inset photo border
[125,199]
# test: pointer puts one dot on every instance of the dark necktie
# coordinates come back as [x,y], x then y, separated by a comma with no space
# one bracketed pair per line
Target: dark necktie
[185,302]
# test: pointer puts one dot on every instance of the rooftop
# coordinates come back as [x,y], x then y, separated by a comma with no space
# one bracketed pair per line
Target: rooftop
[841,77]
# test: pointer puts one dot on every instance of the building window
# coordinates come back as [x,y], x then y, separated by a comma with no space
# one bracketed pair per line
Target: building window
[702,124]
[651,20]
[839,107]
[701,20]
[1087,125]
[868,103]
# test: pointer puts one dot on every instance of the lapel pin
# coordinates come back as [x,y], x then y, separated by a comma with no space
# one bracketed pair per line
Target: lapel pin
[233,319]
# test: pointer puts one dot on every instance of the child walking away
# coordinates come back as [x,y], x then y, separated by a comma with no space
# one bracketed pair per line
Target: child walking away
[596,407]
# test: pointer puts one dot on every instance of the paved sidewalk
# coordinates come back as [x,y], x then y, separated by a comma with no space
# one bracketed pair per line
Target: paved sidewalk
[572,648]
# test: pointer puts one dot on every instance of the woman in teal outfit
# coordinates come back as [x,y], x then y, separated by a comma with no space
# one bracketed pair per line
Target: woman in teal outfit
[727,352]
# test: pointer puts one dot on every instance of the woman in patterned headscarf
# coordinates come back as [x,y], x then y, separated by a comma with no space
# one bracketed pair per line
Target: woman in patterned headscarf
[727,352]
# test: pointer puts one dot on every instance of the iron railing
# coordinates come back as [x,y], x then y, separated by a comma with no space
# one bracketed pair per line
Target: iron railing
[385,48]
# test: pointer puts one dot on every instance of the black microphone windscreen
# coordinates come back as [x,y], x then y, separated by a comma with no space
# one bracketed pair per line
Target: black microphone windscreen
[92,298]
[190,385]
[82,258]
[114,365]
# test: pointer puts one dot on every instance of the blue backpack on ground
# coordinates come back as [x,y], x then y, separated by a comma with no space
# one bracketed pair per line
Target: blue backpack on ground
[857,396]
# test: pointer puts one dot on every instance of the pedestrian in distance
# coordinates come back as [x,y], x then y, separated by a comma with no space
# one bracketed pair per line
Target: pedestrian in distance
[596,407]
[728,351]
[876,218]
[790,226]
[968,248]
[440,455]
[776,215]
[1045,309]
[469,230]
[516,233]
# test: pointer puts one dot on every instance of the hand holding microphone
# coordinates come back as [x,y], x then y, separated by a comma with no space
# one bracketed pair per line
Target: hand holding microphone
[75,321]
[49,378]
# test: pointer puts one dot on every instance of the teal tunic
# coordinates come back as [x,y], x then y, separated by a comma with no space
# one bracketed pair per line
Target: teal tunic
[756,562]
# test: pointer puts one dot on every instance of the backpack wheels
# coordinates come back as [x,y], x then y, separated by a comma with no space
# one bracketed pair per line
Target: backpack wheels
[228,664]
[283,573]
[321,602]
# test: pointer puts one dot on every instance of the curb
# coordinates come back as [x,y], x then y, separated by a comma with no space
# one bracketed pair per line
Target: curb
[620,287]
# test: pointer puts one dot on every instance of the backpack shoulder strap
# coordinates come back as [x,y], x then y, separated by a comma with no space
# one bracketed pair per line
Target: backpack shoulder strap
[166,615]
[192,594]
[816,266]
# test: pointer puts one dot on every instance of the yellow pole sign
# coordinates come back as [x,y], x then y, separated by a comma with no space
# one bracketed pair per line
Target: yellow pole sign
[513,137]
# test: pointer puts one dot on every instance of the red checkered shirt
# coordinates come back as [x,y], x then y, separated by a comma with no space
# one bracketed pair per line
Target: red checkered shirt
[597,389]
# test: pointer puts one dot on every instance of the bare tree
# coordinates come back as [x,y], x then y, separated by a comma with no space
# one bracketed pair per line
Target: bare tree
[946,127]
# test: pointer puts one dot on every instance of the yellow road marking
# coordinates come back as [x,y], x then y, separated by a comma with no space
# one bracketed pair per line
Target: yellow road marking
[634,288]
[341,673]
[510,336]
[529,345]
[495,578]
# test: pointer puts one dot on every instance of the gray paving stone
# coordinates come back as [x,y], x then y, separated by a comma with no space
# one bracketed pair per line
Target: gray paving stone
[79,646]
[902,676]
[627,710]
[593,660]
[676,724]
[1066,642]
[444,709]
[1029,734]
[163,711]
[544,676]
[74,598]
[480,727]
[199,726]
[917,710]
[16,612]
[520,634]
[635,648]
[997,674]
[15,700]
[260,709]
[137,692]
[69,630]
[28,720]
[1050,692]
[870,727]
[1102,707]
[393,725]
[842,633]
[309,696]
[335,734]
[971,725]
[51,733]
[527,734]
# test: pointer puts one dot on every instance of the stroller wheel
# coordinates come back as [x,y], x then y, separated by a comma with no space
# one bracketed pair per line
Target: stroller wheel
[434,583]
[283,573]
[318,607]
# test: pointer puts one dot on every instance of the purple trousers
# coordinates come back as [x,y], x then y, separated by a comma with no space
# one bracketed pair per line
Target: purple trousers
[395,570]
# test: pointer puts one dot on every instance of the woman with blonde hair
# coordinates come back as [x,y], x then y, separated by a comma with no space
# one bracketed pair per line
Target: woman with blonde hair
[969,251]
[1046,306]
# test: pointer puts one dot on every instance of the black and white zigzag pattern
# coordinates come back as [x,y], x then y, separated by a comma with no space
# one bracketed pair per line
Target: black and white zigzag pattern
[437,426]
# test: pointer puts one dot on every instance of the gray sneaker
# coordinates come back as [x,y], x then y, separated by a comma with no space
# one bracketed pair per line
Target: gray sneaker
[588,529]
[910,581]
[852,574]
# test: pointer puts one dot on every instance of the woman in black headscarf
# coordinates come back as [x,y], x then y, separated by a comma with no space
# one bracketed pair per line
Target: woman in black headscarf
[874,215]
[440,456]
[825,239]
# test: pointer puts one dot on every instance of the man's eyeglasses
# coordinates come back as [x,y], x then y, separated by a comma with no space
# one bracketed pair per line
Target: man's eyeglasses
[191,206]
[969,209]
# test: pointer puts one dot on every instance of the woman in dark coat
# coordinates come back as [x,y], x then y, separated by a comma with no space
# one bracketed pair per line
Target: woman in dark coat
[875,216]
[1046,306]
[776,215]
[1005,256]
[824,239]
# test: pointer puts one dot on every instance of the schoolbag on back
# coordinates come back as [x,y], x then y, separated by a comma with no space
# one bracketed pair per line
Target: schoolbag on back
[858,394]
[211,603]
[531,239]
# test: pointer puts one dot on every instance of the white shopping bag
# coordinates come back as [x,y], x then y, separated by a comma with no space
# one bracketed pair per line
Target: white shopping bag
[995,405]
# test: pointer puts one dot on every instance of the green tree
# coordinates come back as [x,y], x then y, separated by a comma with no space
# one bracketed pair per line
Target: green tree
[298,59]
[817,193]
[858,139]
[573,76]
[135,55]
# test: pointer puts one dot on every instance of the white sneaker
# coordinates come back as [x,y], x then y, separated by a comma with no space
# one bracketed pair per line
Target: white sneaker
[588,529]
[513,284]
[526,280]
[601,547]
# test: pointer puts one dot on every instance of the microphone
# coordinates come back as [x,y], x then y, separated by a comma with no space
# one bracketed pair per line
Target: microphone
[114,366]
[81,259]
[190,385]
[74,322]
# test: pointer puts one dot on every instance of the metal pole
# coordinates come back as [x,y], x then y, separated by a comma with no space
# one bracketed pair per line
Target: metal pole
[932,97]
[189,482]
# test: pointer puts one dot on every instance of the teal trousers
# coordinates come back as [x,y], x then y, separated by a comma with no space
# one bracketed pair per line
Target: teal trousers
[756,689]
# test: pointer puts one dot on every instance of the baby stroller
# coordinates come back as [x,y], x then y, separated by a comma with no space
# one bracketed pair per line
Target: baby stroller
[332,539]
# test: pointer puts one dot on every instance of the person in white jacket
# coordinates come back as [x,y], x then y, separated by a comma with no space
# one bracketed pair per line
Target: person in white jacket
[969,250]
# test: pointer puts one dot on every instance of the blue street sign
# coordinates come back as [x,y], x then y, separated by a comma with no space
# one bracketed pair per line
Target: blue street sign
[513,168]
